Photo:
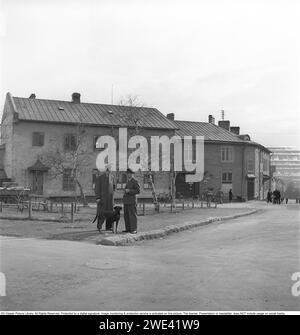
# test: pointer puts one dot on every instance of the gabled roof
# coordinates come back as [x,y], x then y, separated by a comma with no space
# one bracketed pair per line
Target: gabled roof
[57,111]
[211,132]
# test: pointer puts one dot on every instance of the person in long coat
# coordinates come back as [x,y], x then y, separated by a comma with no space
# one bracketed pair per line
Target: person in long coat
[104,191]
[132,188]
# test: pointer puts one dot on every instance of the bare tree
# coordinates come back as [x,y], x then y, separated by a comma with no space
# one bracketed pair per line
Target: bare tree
[74,157]
[131,114]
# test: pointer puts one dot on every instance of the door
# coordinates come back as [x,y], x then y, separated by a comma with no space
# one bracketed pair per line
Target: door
[250,189]
[37,182]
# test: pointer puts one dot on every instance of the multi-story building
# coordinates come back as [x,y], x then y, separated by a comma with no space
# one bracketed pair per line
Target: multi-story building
[231,161]
[285,164]
[32,128]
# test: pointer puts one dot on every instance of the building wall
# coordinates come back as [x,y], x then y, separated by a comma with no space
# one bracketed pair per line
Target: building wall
[214,166]
[240,167]
[25,155]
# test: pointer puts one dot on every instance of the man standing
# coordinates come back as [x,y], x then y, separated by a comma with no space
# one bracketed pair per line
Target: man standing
[130,206]
[104,191]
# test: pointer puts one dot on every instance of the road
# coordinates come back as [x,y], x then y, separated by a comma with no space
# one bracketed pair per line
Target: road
[242,264]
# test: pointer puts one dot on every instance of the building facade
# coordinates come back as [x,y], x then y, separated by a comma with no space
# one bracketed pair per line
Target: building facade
[231,162]
[285,164]
[34,129]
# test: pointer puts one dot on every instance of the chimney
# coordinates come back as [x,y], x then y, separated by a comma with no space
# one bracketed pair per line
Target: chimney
[224,124]
[32,96]
[211,119]
[171,116]
[76,98]
[235,130]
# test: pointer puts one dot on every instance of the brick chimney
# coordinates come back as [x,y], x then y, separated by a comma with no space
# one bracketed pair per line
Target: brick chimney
[76,97]
[224,124]
[32,96]
[171,116]
[235,130]
[211,119]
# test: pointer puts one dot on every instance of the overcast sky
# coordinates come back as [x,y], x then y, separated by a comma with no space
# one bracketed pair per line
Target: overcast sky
[192,58]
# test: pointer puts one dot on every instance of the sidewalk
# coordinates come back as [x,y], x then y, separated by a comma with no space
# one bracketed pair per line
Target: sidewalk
[85,231]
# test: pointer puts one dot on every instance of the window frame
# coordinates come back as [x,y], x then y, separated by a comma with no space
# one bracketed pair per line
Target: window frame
[38,139]
[70,184]
[121,180]
[68,145]
[227,180]
[227,154]
[250,167]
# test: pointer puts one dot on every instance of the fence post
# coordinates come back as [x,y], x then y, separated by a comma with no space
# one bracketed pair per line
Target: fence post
[182,203]
[0,206]
[72,212]
[158,207]
[62,209]
[143,207]
[29,209]
[193,203]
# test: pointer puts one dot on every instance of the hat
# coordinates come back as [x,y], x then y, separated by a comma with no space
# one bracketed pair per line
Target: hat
[130,171]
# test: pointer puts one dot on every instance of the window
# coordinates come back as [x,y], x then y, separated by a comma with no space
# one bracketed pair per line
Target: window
[146,180]
[250,165]
[227,178]
[226,154]
[68,180]
[265,165]
[70,142]
[188,152]
[121,180]
[37,139]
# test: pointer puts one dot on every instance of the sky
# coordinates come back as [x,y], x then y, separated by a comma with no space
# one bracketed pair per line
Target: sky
[191,58]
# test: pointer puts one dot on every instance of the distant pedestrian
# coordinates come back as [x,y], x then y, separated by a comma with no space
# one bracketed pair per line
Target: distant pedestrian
[286,200]
[279,198]
[276,197]
[230,195]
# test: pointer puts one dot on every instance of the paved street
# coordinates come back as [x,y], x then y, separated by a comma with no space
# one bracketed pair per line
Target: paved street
[242,264]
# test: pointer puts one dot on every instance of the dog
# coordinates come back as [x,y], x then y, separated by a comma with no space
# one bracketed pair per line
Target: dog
[112,218]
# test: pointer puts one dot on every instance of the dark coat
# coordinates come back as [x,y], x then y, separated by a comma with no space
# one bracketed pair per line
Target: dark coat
[104,190]
[134,189]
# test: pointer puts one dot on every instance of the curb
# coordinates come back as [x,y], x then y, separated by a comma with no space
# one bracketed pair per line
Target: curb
[159,233]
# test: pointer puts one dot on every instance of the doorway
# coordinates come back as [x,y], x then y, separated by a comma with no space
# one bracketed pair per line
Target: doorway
[37,182]
[250,189]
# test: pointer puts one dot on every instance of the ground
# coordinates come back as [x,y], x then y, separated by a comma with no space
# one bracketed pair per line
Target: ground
[241,264]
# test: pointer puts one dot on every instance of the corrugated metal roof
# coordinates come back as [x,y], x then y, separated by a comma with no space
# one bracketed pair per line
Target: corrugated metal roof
[210,131]
[89,113]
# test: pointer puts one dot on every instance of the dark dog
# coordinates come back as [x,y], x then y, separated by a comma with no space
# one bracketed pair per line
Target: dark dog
[112,218]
